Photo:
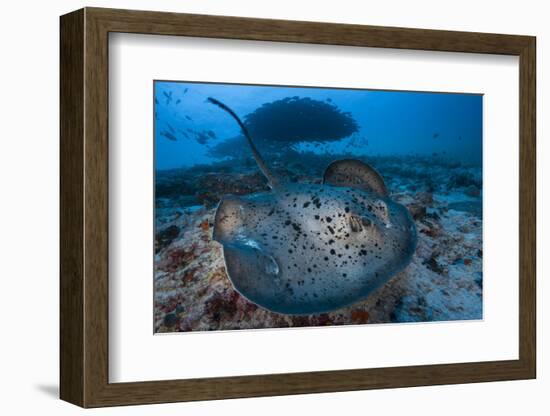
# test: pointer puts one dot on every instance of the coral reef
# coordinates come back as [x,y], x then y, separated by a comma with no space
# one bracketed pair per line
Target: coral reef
[443,281]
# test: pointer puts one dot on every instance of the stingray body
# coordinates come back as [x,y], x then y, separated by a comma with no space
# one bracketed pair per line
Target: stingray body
[311,248]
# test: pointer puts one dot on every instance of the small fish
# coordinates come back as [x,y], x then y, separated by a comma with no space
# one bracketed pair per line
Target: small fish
[329,100]
[435,135]
[202,138]
[188,118]
[168,96]
[178,101]
[211,134]
[184,133]
[171,128]
[156,101]
[185,91]
[168,135]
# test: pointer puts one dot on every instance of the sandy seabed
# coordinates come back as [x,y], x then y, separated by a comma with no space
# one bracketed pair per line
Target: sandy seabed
[442,283]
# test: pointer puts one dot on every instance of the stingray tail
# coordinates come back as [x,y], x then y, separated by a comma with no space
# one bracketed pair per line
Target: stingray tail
[272,180]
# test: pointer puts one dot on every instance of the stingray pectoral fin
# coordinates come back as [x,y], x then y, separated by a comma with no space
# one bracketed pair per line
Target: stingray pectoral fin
[253,272]
[355,174]
[229,219]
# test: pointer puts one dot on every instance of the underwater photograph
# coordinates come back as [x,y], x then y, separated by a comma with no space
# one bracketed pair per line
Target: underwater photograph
[292,206]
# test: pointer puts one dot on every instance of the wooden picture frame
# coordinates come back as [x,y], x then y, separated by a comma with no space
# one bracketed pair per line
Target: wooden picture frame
[84,207]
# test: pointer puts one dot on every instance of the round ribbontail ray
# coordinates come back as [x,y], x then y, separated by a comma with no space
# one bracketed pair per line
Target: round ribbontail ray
[312,248]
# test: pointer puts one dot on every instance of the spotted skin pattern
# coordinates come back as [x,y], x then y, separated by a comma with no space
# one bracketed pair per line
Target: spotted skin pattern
[310,248]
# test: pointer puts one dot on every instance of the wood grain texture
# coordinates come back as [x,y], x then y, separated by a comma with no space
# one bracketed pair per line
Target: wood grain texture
[96,208]
[226,27]
[527,208]
[71,210]
[84,207]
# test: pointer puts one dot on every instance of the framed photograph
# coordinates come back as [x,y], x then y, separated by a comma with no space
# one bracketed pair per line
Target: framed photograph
[255,207]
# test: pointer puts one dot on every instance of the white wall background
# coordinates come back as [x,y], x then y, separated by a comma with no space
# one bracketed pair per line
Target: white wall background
[29,206]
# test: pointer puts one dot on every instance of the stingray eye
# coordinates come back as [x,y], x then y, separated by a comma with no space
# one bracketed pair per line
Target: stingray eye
[380,209]
[366,222]
[356,223]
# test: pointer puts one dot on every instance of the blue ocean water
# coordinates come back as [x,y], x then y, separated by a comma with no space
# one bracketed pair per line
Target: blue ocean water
[190,131]
[426,146]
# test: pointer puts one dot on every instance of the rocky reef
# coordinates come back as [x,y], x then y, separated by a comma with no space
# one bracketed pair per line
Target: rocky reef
[443,281]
